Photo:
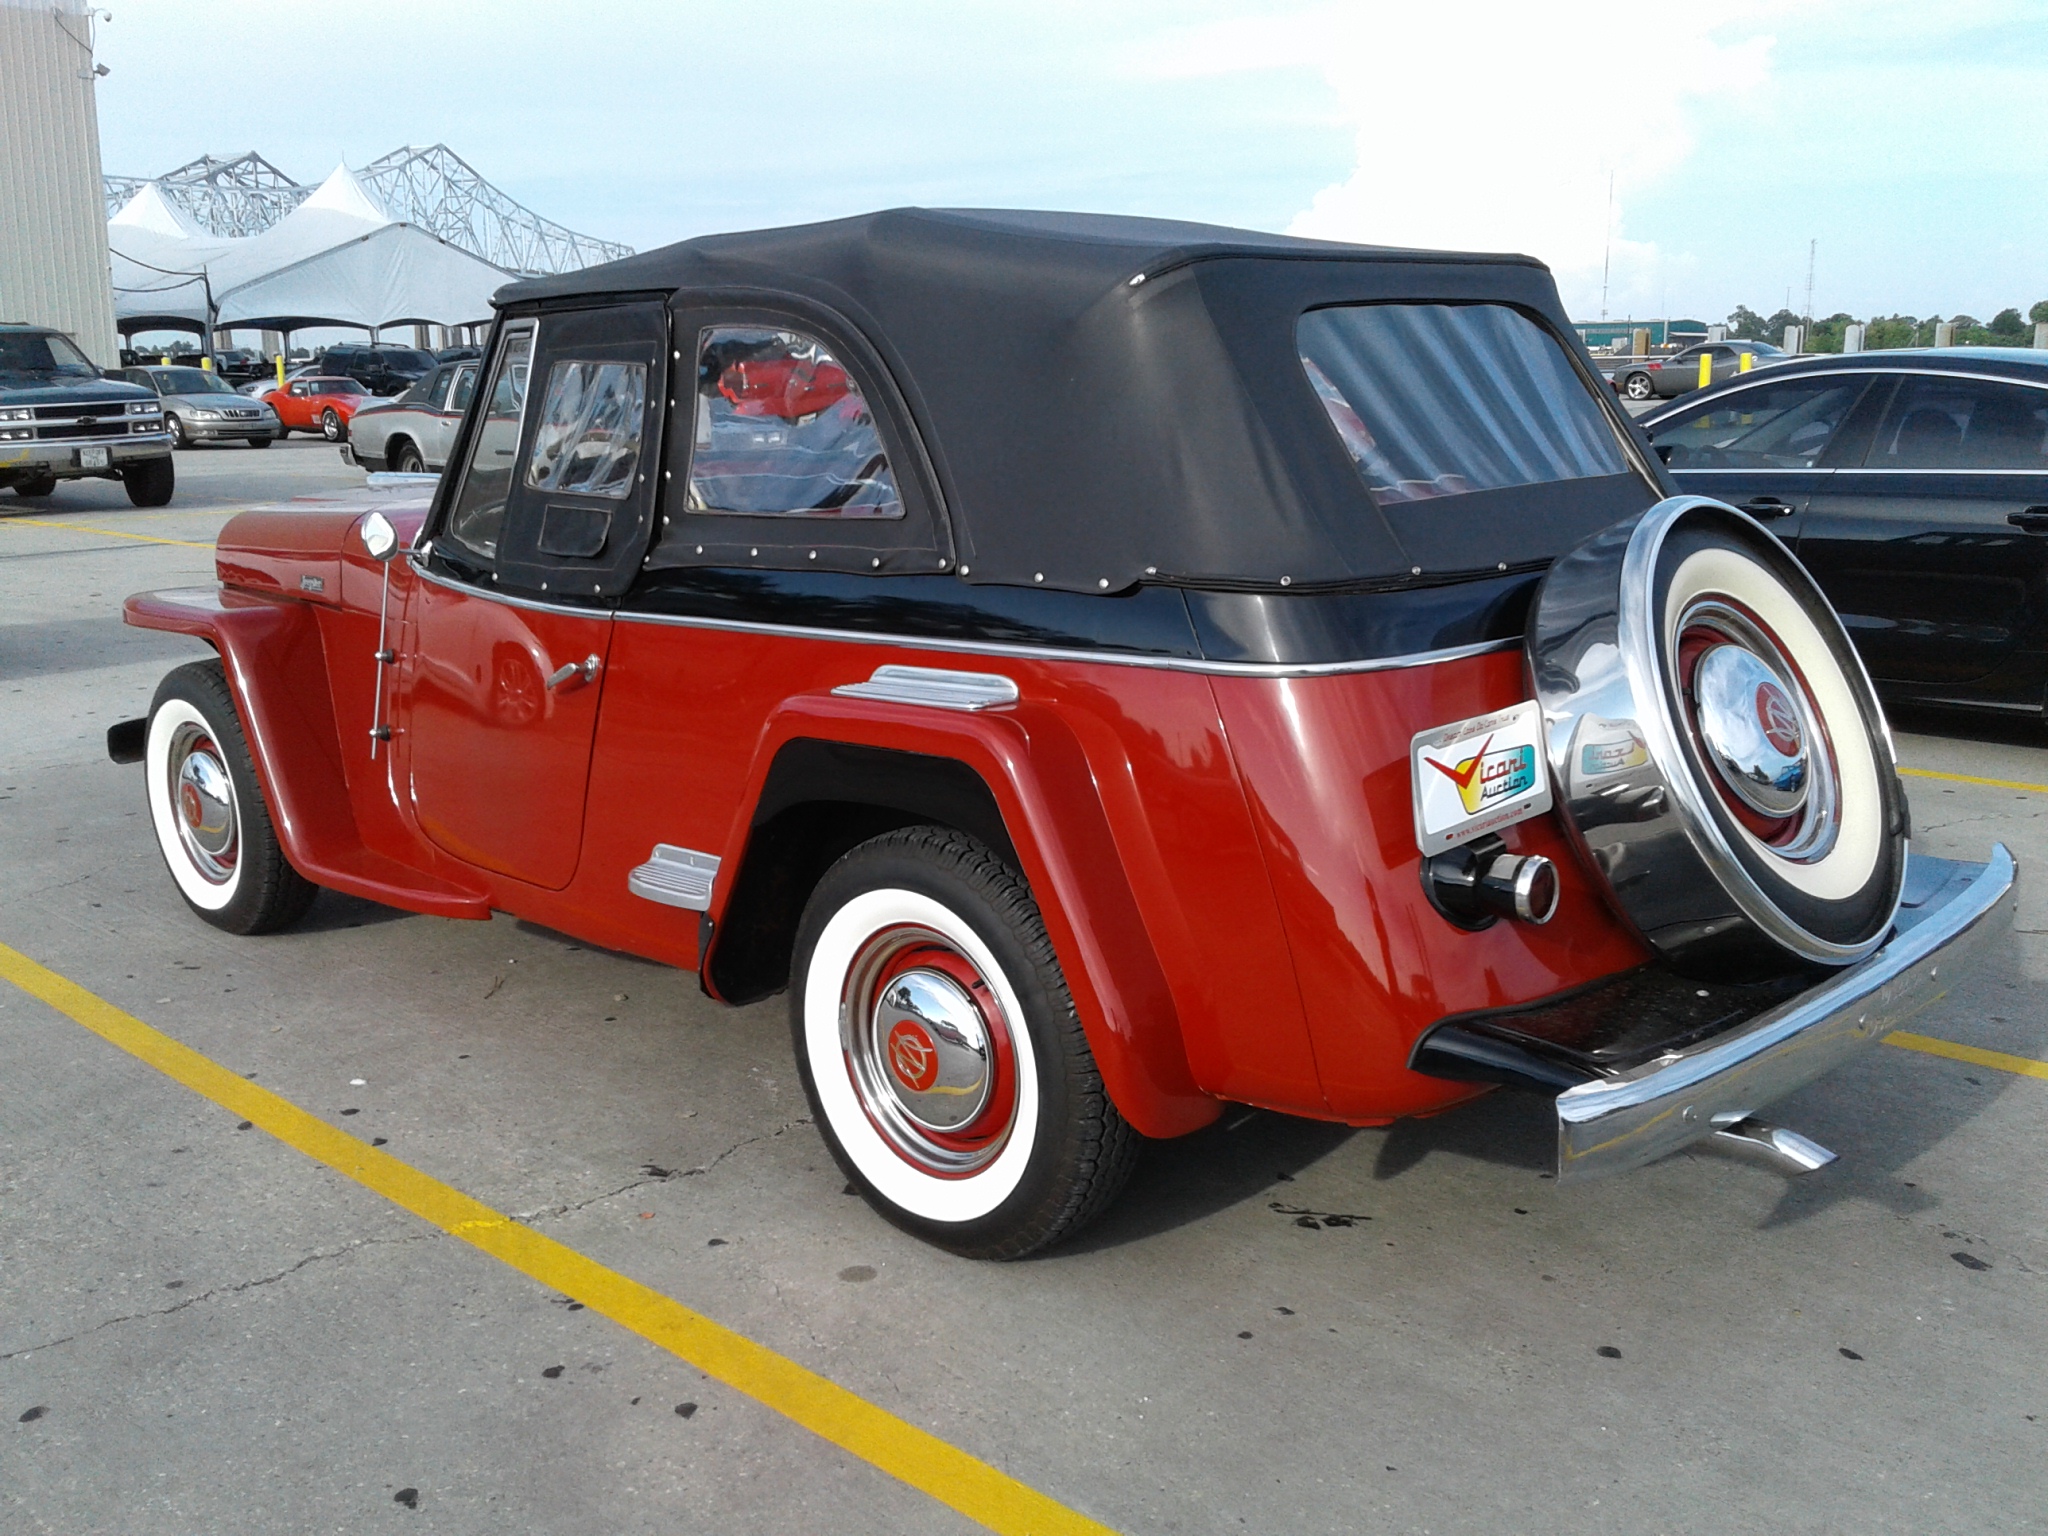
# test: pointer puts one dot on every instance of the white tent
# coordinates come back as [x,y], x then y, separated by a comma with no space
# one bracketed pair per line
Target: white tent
[336,259]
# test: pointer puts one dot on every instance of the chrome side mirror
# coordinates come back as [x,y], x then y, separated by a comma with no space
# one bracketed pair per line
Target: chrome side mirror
[379,537]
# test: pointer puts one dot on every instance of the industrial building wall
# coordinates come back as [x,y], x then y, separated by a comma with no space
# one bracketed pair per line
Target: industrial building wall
[53,217]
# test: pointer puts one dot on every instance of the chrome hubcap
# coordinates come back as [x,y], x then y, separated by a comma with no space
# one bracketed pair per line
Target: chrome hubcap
[929,1051]
[1759,731]
[203,804]
[1751,730]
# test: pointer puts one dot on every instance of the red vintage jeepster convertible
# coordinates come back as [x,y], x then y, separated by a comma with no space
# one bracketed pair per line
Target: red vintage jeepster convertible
[1103,669]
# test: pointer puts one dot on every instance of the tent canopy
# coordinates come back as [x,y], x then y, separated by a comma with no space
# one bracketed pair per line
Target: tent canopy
[336,259]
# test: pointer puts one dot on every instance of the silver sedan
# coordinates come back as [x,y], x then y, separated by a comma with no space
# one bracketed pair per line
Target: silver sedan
[202,408]
[413,433]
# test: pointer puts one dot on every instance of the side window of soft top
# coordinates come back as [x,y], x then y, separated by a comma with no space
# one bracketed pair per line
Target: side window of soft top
[783,430]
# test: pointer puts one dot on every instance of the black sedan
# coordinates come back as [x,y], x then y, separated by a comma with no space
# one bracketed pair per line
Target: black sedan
[1659,378]
[1914,486]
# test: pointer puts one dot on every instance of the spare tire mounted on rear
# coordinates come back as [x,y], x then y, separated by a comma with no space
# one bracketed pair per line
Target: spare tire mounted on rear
[1721,755]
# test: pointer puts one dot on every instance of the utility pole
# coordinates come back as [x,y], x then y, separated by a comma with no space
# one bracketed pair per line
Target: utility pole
[1812,249]
[1607,246]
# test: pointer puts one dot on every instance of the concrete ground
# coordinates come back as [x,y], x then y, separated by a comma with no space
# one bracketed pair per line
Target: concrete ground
[203,1331]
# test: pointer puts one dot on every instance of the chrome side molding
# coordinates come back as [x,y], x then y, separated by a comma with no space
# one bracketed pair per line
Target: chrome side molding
[935,687]
[675,877]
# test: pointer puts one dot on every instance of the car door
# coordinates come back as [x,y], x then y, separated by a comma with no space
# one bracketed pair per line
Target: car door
[1933,546]
[1765,448]
[511,625]
[437,431]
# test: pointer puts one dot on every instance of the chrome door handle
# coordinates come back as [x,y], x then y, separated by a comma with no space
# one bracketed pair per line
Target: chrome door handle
[2032,520]
[1766,506]
[587,667]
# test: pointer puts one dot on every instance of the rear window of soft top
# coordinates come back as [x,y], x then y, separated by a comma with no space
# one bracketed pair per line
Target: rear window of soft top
[1435,400]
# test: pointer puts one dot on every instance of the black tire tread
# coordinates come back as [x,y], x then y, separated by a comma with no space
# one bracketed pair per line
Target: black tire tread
[1106,1147]
[275,895]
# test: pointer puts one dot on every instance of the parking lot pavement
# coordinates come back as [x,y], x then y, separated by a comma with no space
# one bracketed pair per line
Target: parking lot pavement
[1283,1326]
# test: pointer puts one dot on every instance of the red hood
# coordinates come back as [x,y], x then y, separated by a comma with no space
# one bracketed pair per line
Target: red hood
[296,548]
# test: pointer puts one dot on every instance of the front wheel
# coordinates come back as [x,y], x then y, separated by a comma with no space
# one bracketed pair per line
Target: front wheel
[36,489]
[1637,386]
[941,1052]
[150,483]
[330,425]
[259,442]
[206,806]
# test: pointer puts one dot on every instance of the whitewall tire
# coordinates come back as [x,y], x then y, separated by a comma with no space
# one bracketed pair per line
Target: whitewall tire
[941,1053]
[207,809]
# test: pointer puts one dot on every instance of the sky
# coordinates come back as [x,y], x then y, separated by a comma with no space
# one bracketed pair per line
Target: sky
[1680,158]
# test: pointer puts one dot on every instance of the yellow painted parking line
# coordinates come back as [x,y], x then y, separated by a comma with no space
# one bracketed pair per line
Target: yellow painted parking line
[105,533]
[1998,1061]
[927,1463]
[1970,778]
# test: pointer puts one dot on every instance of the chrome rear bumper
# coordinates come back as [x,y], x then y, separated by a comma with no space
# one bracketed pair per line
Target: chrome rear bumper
[1951,913]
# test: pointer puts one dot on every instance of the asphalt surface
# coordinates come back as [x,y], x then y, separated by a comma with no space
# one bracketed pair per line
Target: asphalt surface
[201,1330]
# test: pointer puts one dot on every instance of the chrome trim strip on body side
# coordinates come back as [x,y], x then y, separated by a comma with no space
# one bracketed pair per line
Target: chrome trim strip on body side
[992,647]
[1104,658]
[934,687]
[1952,913]
[1863,469]
[675,877]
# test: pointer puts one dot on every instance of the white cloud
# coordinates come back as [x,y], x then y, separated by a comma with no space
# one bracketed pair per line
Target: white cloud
[1494,125]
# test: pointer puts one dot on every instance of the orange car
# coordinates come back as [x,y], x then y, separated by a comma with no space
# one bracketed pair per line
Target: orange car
[317,404]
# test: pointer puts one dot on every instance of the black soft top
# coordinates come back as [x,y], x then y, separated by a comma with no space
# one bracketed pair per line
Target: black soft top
[1108,400]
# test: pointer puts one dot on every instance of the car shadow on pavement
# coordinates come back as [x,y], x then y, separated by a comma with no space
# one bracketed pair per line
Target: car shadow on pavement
[333,911]
[1246,1154]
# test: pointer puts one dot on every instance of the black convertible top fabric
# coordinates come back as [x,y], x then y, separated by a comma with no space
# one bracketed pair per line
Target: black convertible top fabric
[1108,401]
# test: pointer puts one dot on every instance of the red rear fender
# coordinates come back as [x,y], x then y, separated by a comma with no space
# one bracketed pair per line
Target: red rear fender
[1041,783]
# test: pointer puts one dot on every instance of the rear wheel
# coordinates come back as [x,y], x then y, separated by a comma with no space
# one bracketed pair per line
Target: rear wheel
[151,482]
[330,425]
[406,460]
[941,1052]
[207,808]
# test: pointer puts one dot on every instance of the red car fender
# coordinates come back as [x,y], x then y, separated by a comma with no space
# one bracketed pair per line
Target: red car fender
[277,672]
[1043,787]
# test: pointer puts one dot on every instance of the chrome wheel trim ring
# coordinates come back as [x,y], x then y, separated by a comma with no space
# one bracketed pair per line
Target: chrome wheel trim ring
[928,1051]
[203,804]
[173,722]
[891,1176]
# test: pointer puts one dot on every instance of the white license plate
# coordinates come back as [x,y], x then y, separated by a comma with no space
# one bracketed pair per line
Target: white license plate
[92,458]
[1478,776]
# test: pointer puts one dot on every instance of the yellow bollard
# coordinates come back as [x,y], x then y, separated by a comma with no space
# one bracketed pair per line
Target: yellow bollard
[1744,361]
[1706,369]
[280,370]
[205,363]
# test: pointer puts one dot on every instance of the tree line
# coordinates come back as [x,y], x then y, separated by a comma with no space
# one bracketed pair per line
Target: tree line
[2007,328]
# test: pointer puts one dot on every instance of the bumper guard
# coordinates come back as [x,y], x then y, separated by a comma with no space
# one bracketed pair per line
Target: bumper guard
[1951,913]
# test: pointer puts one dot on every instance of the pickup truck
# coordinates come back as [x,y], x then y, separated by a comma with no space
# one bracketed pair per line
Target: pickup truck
[60,419]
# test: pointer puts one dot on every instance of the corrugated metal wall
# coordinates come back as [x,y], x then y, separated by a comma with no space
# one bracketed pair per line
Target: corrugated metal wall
[53,219]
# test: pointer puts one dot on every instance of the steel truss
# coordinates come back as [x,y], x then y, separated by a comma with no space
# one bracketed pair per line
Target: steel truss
[433,188]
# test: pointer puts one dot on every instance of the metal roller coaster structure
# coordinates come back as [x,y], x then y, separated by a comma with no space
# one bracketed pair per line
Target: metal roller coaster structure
[433,188]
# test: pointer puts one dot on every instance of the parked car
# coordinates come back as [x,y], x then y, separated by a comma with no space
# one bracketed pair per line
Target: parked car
[1660,378]
[1104,669]
[1914,486]
[413,433]
[316,403]
[380,369]
[61,419]
[202,408]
